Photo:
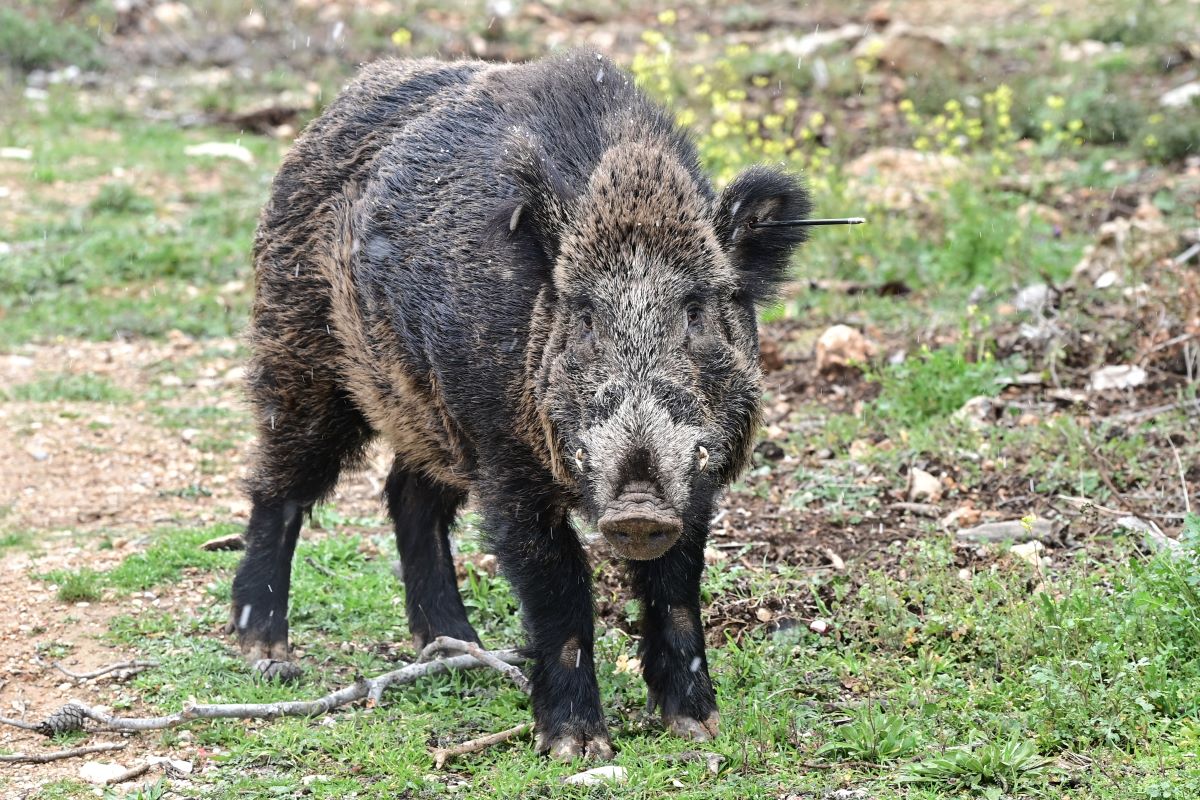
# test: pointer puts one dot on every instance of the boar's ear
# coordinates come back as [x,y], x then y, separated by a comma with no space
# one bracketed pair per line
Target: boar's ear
[760,255]
[533,218]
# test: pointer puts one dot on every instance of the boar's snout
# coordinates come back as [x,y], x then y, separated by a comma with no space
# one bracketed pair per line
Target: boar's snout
[639,523]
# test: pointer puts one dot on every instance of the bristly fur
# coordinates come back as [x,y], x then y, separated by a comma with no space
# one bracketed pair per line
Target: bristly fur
[520,279]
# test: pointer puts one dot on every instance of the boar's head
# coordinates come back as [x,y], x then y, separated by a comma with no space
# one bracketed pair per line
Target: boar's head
[643,360]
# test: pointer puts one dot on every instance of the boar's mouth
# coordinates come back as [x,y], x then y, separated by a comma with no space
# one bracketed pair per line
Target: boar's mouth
[639,523]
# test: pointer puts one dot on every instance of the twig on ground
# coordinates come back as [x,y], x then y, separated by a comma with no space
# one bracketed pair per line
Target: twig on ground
[16,723]
[920,509]
[326,571]
[72,716]
[1141,415]
[711,760]
[443,754]
[134,667]
[58,755]
[1187,501]
[444,643]
[129,774]
[1187,255]
[1103,468]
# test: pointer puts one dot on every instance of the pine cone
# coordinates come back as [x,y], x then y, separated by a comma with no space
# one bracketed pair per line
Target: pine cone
[70,717]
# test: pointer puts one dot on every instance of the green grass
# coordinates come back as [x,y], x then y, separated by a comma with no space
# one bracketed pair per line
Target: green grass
[33,40]
[71,387]
[933,384]
[77,585]
[16,540]
[928,687]
[101,257]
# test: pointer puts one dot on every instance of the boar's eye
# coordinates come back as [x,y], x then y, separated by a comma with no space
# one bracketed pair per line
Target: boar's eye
[695,318]
[585,325]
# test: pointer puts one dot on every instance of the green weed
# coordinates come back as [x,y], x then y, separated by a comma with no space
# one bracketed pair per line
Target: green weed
[1010,766]
[932,384]
[78,585]
[71,387]
[119,197]
[874,737]
[33,40]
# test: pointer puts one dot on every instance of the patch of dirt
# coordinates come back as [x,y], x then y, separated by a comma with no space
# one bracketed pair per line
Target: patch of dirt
[94,466]
[39,629]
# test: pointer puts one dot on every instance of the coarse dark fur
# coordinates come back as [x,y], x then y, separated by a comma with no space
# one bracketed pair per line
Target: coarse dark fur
[520,279]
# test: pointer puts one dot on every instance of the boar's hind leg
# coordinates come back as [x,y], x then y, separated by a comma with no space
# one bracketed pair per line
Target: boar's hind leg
[298,461]
[672,649]
[547,567]
[423,512]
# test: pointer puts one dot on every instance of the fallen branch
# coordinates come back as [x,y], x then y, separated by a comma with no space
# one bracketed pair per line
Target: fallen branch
[444,643]
[1187,502]
[129,774]
[326,571]
[443,754]
[58,755]
[73,716]
[133,666]
[16,723]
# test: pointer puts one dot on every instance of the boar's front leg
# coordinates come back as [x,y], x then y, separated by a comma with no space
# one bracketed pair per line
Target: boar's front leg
[672,649]
[423,512]
[542,558]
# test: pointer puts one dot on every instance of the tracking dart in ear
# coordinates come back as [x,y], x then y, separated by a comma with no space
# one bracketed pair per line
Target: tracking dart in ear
[801,223]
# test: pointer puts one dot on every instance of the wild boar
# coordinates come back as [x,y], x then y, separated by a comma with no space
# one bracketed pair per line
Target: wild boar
[520,279]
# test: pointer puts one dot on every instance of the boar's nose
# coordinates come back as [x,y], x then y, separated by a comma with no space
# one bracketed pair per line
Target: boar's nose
[639,523]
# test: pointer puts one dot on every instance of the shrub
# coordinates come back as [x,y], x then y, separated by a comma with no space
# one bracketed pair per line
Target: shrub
[39,42]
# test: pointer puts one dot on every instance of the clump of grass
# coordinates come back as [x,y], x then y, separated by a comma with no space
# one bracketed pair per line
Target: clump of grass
[77,586]
[874,737]
[932,385]
[69,387]
[119,197]
[16,540]
[1008,766]
[36,41]
[1171,139]
[169,556]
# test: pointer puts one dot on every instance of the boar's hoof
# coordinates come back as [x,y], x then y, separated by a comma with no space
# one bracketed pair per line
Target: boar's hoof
[462,632]
[693,729]
[270,660]
[570,746]
[274,670]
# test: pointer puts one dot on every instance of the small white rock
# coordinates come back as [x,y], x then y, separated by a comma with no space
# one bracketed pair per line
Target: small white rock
[1180,96]
[175,765]
[818,626]
[841,346]
[1119,376]
[1029,551]
[923,487]
[100,772]
[598,776]
[220,150]
[1032,298]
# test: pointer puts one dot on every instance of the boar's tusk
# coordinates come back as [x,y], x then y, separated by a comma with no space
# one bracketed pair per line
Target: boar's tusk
[579,458]
[515,219]
[702,455]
